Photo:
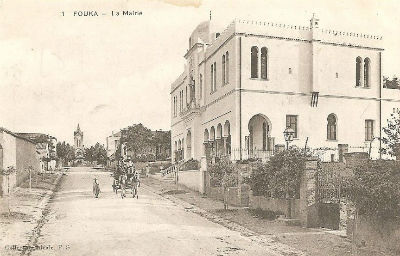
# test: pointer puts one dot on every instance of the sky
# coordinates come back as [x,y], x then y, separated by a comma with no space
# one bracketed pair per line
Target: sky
[108,72]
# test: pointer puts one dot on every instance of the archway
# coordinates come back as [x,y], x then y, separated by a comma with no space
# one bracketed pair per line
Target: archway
[227,137]
[259,135]
[219,143]
[212,141]
[206,135]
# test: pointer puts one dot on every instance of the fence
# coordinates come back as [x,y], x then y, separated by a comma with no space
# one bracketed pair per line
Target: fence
[246,154]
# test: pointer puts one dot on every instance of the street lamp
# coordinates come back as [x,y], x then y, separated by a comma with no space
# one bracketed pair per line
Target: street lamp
[288,134]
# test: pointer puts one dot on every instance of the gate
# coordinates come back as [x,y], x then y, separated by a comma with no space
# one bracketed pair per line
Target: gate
[328,194]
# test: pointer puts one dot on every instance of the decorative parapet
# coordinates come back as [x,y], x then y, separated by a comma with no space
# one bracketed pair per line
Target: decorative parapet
[295,32]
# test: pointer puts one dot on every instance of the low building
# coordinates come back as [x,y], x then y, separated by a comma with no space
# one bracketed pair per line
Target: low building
[20,153]
[46,149]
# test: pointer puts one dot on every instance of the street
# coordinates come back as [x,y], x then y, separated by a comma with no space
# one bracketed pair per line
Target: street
[79,224]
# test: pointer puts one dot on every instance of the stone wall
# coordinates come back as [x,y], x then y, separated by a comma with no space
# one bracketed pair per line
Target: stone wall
[383,234]
[233,195]
[289,207]
[190,179]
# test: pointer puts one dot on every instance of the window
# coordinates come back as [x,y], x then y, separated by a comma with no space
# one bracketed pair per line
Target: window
[369,130]
[264,63]
[291,122]
[215,76]
[290,70]
[366,72]
[201,86]
[227,67]
[212,78]
[223,69]
[254,62]
[175,105]
[337,75]
[358,71]
[186,96]
[332,127]
[181,101]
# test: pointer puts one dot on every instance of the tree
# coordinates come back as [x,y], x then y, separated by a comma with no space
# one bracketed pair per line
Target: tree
[223,174]
[137,137]
[65,152]
[375,189]
[391,84]
[96,153]
[391,140]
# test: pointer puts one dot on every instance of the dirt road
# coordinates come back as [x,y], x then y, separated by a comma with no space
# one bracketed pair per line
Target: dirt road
[79,224]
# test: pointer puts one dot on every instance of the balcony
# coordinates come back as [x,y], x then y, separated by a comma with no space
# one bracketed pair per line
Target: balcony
[191,108]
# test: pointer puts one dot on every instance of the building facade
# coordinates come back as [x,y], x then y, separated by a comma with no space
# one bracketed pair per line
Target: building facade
[242,87]
[46,149]
[18,152]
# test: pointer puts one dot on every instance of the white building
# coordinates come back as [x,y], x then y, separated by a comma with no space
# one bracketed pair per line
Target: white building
[113,143]
[242,87]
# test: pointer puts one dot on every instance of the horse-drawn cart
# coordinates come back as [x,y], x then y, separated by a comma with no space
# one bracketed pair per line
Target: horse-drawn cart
[126,183]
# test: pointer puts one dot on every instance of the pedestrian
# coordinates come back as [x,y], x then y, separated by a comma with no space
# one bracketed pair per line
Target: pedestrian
[96,188]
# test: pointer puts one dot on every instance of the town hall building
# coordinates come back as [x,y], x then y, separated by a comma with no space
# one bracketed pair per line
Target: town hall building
[242,87]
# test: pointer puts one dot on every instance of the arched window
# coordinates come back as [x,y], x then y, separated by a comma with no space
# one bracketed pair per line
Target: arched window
[254,62]
[212,133]
[212,78]
[332,127]
[201,86]
[223,69]
[366,72]
[219,131]
[358,71]
[206,135]
[264,63]
[227,67]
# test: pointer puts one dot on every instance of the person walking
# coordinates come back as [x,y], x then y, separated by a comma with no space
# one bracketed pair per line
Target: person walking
[96,188]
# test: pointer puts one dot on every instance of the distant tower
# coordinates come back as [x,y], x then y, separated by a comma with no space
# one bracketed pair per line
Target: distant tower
[314,22]
[78,141]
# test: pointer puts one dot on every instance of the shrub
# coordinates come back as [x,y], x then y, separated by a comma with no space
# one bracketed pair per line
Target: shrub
[223,173]
[280,177]
[265,214]
[375,188]
[191,164]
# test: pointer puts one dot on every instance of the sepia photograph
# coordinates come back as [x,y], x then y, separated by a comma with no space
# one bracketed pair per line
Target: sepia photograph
[200,127]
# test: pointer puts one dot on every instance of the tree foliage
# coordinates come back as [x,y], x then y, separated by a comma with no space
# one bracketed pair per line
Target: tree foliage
[391,84]
[375,188]
[142,143]
[391,140]
[65,152]
[96,153]
[281,176]
[223,173]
